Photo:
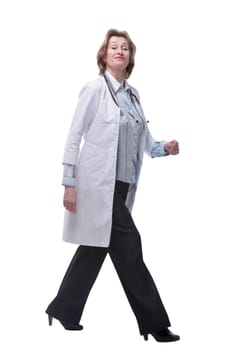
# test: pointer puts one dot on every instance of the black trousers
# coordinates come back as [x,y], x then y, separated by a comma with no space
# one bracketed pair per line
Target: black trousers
[125,251]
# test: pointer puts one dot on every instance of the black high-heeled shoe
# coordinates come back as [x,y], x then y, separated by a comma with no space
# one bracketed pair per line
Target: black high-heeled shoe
[67,325]
[163,336]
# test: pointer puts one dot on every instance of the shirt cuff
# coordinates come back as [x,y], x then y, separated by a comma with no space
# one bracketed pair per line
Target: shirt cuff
[158,149]
[68,181]
[69,175]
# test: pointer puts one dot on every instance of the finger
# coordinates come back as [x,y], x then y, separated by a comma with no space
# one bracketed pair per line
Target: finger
[73,209]
[67,204]
[71,206]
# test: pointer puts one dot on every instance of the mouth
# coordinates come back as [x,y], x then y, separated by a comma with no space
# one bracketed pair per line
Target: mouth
[119,58]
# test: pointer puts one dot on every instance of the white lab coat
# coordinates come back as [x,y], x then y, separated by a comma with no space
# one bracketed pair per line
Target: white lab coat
[96,119]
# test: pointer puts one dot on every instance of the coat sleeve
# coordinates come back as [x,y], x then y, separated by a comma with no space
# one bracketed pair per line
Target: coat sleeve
[83,116]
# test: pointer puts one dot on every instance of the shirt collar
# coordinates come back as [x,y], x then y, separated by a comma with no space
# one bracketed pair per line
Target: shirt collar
[115,84]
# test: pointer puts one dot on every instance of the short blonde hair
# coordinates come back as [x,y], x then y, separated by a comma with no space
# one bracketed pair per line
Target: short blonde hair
[101,55]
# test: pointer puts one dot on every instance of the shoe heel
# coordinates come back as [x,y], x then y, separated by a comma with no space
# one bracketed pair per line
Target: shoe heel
[50,320]
[145,336]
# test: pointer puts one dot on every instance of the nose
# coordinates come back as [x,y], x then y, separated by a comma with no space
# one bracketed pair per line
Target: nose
[120,51]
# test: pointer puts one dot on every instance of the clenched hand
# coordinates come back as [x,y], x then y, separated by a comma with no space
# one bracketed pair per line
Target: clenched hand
[70,199]
[172,147]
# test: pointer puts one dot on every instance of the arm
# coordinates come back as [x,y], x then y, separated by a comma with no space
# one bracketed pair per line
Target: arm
[164,148]
[69,181]
[155,148]
[84,114]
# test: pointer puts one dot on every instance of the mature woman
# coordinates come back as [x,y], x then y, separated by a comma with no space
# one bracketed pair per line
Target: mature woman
[100,183]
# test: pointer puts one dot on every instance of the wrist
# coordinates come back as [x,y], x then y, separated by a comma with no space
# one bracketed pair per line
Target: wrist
[165,148]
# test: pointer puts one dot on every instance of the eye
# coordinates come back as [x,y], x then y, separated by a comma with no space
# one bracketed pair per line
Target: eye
[114,47]
[125,48]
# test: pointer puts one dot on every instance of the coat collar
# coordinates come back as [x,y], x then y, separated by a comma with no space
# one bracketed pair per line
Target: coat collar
[115,84]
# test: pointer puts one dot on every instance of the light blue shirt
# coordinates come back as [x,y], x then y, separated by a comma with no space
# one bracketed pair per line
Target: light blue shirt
[130,131]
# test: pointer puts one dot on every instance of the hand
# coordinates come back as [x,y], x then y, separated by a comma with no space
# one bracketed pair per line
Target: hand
[70,199]
[172,147]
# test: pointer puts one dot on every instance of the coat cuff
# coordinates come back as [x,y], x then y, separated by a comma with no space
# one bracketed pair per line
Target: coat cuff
[70,158]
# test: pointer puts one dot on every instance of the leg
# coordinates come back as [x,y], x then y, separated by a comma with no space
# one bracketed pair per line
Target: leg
[81,274]
[126,253]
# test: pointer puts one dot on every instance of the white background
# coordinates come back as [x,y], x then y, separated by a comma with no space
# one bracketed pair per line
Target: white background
[184,204]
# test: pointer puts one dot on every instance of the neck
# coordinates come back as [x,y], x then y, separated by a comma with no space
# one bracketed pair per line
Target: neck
[118,75]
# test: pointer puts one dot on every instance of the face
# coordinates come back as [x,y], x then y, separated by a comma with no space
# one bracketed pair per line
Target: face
[118,54]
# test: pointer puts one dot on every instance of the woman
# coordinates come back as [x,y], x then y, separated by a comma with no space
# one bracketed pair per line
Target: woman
[100,184]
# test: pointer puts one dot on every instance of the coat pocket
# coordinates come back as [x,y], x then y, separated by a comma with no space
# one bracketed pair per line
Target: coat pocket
[90,151]
[90,167]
